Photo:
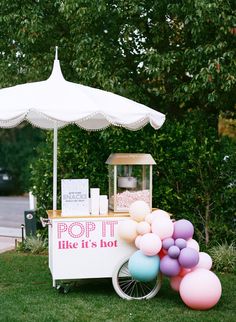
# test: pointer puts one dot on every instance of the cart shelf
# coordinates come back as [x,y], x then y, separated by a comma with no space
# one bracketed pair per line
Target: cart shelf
[56,214]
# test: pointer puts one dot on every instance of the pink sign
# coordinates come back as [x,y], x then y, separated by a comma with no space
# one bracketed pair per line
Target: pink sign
[87,234]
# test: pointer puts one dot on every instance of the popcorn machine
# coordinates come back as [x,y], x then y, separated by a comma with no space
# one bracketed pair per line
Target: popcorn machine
[130,179]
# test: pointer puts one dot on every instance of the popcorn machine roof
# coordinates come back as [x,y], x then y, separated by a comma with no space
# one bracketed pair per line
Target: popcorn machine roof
[130,158]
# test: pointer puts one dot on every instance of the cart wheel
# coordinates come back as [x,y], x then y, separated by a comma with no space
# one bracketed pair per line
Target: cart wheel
[129,288]
[64,288]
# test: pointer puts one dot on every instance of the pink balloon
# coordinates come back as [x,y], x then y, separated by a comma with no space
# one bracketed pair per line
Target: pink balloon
[184,271]
[163,227]
[200,289]
[150,244]
[205,261]
[175,282]
[143,228]
[192,243]
[137,241]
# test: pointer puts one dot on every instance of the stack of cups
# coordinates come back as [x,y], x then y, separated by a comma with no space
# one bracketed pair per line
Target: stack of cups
[98,203]
[103,205]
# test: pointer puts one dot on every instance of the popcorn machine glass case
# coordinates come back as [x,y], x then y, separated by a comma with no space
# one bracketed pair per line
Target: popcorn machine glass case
[130,179]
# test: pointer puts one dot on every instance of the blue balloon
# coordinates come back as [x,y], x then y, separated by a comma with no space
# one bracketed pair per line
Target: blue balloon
[144,268]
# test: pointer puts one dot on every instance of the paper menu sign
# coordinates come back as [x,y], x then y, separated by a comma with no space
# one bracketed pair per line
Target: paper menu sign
[75,197]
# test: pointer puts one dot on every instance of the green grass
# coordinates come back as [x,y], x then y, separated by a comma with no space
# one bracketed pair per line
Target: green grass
[26,294]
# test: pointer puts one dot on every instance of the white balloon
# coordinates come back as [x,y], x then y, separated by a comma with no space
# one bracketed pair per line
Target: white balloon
[192,243]
[205,261]
[160,213]
[139,210]
[163,227]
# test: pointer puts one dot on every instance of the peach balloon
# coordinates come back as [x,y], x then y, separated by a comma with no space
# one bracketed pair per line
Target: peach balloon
[205,261]
[200,289]
[127,230]
[163,227]
[175,282]
[148,218]
[143,228]
[192,243]
[139,210]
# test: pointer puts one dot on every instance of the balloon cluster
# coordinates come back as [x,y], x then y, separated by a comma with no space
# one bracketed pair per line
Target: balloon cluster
[168,247]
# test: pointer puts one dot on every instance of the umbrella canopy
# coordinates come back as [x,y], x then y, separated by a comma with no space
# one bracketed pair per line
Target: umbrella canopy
[57,102]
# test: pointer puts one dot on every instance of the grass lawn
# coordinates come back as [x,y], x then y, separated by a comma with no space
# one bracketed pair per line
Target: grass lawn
[26,294]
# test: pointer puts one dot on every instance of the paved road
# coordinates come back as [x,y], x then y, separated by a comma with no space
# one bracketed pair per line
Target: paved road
[12,215]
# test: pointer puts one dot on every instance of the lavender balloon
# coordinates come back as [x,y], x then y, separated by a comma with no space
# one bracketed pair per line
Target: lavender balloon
[181,243]
[167,243]
[183,229]
[169,266]
[173,251]
[188,257]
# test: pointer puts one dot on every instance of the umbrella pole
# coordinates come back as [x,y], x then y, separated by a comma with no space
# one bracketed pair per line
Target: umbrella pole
[55,168]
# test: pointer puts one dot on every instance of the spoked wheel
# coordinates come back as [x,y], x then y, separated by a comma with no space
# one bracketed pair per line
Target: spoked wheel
[129,288]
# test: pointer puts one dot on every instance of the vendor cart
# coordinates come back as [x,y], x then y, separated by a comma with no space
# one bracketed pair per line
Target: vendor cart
[54,104]
[88,247]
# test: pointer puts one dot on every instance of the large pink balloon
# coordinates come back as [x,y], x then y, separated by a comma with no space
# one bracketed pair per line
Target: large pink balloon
[200,289]
[150,244]
[205,261]
[163,227]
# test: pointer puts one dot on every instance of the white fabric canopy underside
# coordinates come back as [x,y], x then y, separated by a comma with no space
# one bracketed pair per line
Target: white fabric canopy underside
[57,102]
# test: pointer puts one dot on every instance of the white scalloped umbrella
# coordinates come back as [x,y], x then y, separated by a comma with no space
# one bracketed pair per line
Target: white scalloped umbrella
[55,103]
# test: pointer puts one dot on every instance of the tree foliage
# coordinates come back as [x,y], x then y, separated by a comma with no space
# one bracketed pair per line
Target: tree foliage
[171,55]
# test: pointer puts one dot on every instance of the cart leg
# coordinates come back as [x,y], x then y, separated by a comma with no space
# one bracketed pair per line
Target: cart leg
[53,283]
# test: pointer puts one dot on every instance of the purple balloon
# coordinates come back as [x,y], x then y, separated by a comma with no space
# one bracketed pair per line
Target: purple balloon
[188,257]
[169,266]
[173,251]
[167,243]
[181,243]
[183,229]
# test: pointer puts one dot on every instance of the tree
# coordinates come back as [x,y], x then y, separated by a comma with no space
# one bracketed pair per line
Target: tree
[171,55]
